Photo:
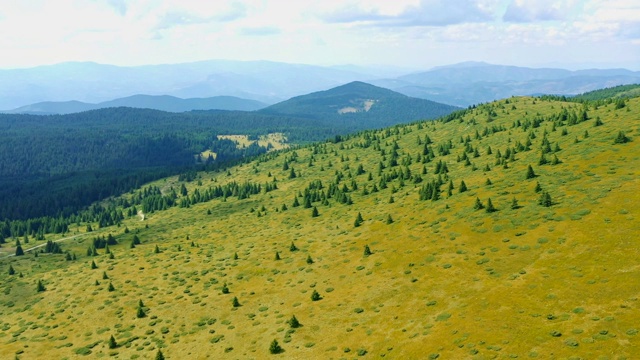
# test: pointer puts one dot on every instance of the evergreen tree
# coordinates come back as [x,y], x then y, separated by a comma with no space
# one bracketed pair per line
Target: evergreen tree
[277,257]
[235,256]
[111,287]
[93,265]
[367,250]
[235,302]
[309,260]
[538,188]
[140,313]
[19,251]
[530,173]
[293,247]
[314,212]
[112,343]
[40,286]
[490,208]
[463,187]
[621,138]
[275,348]
[389,219]
[225,288]
[358,220]
[104,276]
[140,303]
[159,355]
[294,323]
[315,296]
[136,240]
[478,205]
[11,270]
[156,250]
[545,199]
[514,204]
[295,202]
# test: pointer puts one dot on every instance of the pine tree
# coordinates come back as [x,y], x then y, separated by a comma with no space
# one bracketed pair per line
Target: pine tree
[545,199]
[389,219]
[11,270]
[19,251]
[463,187]
[140,313]
[136,240]
[314,212]
[104,276]
[140,303]
[621,138]
[40,286]
[277,257]
[112,343]
[358,220]
[275,348]
[93,265]
[294,323]
[367,250]
[225,288]
[235,302]
[111,287]
[530,173]
[156,250]
[514,204]
[478,205]
[235,256]
[538,188]
[293,247]
[315,296]
[159,355]
[309,260]
[490,208]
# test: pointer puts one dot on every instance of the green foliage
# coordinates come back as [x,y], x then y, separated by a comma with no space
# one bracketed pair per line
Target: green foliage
[530,173]
[225,288]
[367,250]
[621,138]
[293,322]
[309,260]
[93,265]
[315,296]
[293,247]
[277,257]
[545,200]
[159,355]
[389,219]
[140,313]
[275,348]
[19,251]
[463,186]
[112,342]
[111,287]
[235,303]
[12,271]
[359,220]
[489,207]
[478,205]
[314,212]
[40,286]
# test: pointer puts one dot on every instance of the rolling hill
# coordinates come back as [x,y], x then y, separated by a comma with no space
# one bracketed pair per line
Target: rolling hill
[359,104]
[157,102]
[507,230]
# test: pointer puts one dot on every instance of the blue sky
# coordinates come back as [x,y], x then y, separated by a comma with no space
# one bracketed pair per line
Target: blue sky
[415,34]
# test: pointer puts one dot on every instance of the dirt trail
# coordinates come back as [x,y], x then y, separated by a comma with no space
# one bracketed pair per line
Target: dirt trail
[44,244]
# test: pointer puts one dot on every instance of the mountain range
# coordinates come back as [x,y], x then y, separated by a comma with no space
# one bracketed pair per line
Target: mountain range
[156,102]
[271,82]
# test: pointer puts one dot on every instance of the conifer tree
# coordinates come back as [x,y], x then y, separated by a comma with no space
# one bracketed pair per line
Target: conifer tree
[277,257]
[156,250]
[275,348]
[93,265]
[514,204]
[225,288]
[389,219]
[294,323]
[367,250]
[104,275]
[478,205]
[111,288]
[545,199]
[159,355]
[463,187]
[530,173]
[235,302]
[315,296]
[112,343]
[358,220]
[538,188]
[490,208]
[235,256]
[309,260]
[19,251]
[140,313]
[314,212]
[11,270]
[293,247]
[40,286]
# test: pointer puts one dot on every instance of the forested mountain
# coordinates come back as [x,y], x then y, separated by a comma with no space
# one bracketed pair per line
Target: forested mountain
[157,102]
[508,230]
[359,104]
[59,163]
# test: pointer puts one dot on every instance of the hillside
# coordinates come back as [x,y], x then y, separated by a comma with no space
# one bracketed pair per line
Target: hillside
[157,102]
[359,104]
[508,230]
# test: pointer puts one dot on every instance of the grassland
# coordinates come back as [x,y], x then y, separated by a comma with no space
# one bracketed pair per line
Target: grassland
[443,280]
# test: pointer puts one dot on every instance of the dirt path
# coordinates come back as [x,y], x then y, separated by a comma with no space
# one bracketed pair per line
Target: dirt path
[44,244]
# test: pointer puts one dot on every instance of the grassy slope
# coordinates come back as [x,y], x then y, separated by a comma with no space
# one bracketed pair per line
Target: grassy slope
[443,278]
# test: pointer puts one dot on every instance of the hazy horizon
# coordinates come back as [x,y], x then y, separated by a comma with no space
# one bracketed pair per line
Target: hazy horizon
[411,34]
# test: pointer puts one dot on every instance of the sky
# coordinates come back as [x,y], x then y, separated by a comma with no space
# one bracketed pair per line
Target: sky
[412,34]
